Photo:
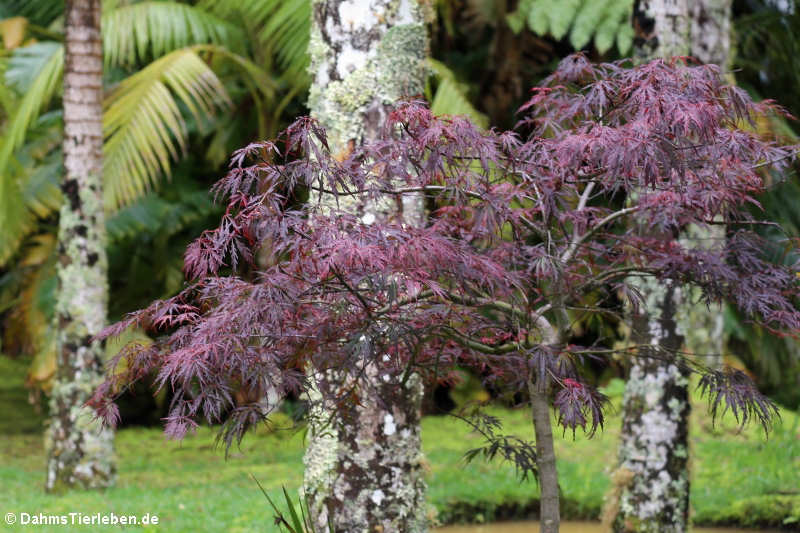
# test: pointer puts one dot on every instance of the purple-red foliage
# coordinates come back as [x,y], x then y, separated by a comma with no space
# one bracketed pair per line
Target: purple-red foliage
[526,234]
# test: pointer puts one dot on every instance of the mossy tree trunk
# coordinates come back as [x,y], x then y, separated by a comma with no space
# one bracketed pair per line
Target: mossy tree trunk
[363,462]
[653,453]
[710,30]
[80,451]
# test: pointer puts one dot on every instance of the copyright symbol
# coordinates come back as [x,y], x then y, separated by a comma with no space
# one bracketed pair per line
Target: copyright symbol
[10,518]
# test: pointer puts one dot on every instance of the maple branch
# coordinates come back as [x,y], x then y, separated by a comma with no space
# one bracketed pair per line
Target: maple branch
[404,301]
[469,342]
[352,291]
[567,256]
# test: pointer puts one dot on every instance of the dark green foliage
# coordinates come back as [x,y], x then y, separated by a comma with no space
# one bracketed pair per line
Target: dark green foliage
[299,523]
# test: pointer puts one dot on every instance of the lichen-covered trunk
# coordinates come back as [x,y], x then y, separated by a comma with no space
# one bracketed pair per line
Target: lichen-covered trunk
[710,24]
[80,451]
[363,462]
[661,28]
[652,478]
[651,483]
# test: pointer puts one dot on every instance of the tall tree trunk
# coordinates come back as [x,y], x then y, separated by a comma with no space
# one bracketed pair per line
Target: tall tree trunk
[80,451]
[652,480]
[363,462]
[710,24]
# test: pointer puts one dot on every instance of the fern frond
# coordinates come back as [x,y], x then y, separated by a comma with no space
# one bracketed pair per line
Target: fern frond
[450,97]
[136,33]
[143,124]
[605,21]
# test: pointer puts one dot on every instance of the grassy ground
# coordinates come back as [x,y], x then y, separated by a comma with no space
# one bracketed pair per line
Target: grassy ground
[737,478]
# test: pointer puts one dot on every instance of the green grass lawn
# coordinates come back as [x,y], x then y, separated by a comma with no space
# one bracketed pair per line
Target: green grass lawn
[737,478]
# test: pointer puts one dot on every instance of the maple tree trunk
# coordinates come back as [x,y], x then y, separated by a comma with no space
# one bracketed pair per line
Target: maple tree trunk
[650,490]
[363,462]
[80,451]
[549,511]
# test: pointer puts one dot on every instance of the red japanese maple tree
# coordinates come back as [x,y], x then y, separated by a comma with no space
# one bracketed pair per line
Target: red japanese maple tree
[527,233]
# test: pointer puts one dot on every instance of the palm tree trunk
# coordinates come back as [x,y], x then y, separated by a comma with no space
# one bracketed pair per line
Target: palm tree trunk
[363,462]
[80,451]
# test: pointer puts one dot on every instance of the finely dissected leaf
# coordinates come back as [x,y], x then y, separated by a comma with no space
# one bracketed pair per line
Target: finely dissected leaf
[143,123]
[135,33]
[526,232]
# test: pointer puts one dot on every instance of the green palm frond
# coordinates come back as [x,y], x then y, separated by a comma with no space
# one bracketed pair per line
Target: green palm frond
[288,30]
[284,26]
[156,215]
[143,123]
[136,33]
[30,188]
[28,295]
[450,97]
[37,72]
[40,12]
[16,220]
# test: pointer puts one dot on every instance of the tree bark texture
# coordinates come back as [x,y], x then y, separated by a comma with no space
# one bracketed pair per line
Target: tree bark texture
[364,462]
[651,484]
[661,28]
[652,478]
[80,451]
[710,23]
[711,31]
[549,505]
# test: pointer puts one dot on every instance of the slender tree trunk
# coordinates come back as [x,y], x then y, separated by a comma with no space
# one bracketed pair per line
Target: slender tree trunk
[363,461]
[549,507]
[80,451]
[651,492]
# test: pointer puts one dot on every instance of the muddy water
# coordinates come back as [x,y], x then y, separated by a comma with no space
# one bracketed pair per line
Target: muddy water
[567,527]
